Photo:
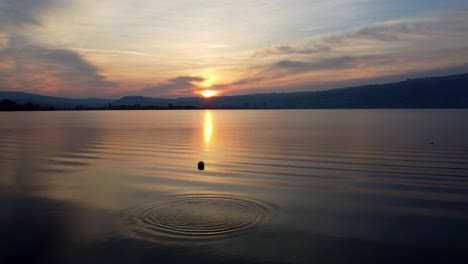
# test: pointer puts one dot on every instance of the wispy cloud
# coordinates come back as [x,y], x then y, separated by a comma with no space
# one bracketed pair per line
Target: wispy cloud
[283,68]
[282,50]
[340,70]
[218,46]
[328,63]
[391,31]
[403,29]
[109,51]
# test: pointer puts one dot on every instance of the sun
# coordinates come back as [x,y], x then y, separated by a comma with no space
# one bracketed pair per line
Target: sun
[208,93]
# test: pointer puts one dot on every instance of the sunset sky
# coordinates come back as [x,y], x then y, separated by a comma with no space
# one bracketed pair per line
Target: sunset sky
[178,48]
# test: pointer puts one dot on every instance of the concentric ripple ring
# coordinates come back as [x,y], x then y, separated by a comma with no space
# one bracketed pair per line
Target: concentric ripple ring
[196,217]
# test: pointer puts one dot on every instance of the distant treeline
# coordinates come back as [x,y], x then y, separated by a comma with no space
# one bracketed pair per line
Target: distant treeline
[10,105]
[144,107]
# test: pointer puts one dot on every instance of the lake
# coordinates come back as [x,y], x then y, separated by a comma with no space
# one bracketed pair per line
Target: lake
[279,186]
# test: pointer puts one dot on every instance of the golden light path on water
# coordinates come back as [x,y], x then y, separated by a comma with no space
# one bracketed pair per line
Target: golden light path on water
[207,129]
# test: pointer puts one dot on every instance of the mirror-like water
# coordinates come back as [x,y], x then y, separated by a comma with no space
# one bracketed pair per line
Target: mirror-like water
[279,186]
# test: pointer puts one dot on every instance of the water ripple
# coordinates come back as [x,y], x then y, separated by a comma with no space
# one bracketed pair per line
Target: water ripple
[197,217]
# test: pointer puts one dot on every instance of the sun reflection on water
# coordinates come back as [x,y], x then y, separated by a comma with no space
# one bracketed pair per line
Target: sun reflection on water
[208,129]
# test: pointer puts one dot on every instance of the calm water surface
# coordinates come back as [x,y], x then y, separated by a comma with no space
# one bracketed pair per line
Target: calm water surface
[279,186]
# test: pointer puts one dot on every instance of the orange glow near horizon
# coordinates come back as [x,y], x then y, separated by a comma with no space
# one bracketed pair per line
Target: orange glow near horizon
[208,93]
[206,84]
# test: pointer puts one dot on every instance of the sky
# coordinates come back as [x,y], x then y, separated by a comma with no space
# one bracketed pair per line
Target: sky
[179,48]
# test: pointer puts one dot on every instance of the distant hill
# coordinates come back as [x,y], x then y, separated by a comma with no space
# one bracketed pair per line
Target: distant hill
[433,92]
[144,101]
[59,102]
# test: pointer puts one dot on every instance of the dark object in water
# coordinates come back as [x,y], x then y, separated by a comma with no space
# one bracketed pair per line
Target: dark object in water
[432,142]
[201,165]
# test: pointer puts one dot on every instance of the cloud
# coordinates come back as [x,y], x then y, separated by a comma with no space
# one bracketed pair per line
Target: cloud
[392,31]
[325,80]
[39,69]
[385,50]
[34,67]
[181,85]
[20,13]
[367,33]
[347,69]
[110,51]
[400,30]
[290,67]
[4,40]
[327,63]
[278,50]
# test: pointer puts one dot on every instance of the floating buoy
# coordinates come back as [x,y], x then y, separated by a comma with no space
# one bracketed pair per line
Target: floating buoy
[201,165]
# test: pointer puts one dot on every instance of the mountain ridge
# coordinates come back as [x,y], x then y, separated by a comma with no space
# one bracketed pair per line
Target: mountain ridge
[431,92]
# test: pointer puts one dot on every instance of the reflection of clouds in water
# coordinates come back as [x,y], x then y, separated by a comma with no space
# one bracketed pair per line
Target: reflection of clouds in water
[41,146]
